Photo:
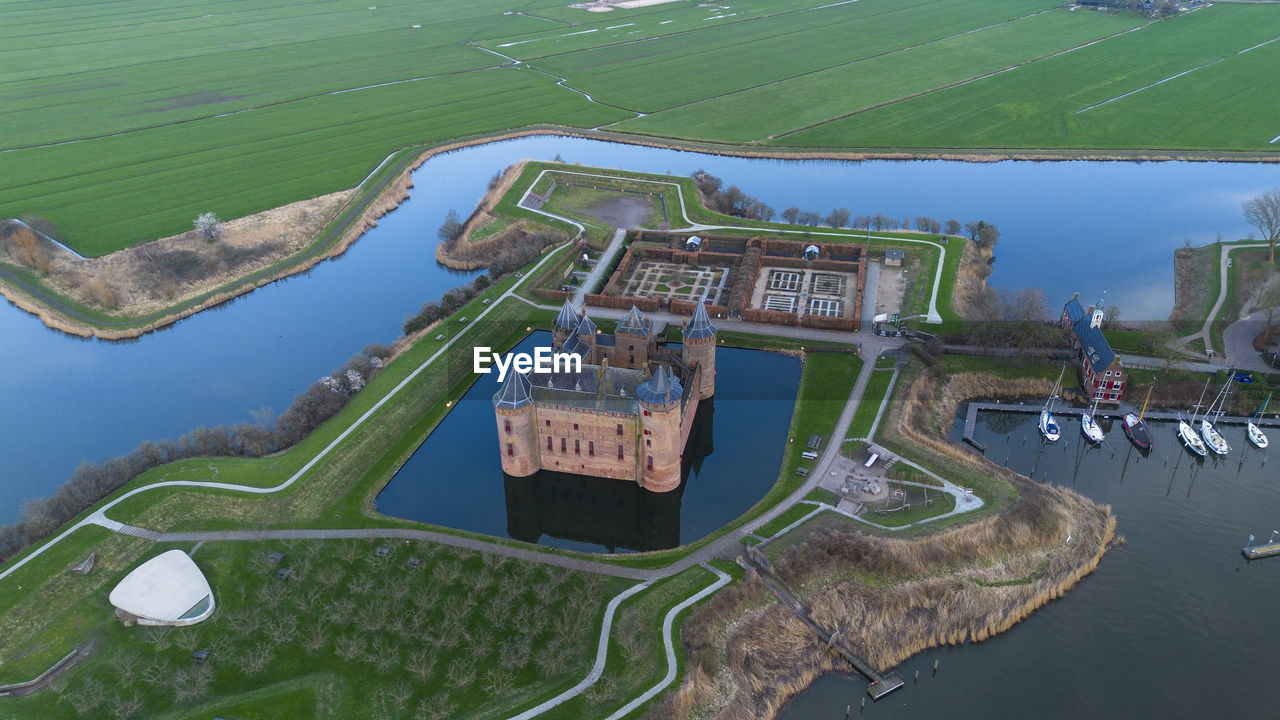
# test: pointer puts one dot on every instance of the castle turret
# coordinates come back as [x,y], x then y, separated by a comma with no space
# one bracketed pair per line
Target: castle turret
[632,337]
[566,322]
[659,400]
[699,350]
[517,440]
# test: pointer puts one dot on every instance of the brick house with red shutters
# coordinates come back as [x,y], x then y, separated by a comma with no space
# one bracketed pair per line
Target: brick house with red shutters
[1102,374]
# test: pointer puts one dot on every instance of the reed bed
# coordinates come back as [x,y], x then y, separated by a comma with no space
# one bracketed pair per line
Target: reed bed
[891,598]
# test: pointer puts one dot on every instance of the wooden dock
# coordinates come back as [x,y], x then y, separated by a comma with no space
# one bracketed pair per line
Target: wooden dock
[880,685]
[971,416]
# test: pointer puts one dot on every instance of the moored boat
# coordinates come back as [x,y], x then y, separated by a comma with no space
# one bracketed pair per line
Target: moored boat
[1208,428]
[1049,428]
[1256,436]
[1135,428]
[1190,439]
[1089,426]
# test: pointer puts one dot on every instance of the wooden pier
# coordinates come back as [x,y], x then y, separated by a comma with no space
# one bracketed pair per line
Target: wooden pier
[880,685]
[971,416]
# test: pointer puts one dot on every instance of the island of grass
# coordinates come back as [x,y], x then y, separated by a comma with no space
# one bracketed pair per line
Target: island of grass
[321,639]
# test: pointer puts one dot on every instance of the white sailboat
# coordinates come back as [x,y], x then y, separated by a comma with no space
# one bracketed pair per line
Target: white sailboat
[1208,429]
[1256,436]
[1048,425]
[1187,433]
[1089,426]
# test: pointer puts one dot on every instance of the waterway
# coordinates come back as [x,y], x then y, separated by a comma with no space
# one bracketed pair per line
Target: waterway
[455,477]
[1173,623]
[1111,227]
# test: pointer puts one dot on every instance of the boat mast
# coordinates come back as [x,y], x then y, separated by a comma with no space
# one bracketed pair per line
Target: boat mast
[1144,402]
[1263,408]
[1200,402]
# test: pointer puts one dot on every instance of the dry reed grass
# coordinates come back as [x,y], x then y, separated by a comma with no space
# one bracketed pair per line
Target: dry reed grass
[892,598]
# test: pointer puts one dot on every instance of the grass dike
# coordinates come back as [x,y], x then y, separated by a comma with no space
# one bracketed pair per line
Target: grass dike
[891,597]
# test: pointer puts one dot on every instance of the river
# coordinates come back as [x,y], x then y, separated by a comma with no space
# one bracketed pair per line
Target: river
[1111,225]
[1173,623]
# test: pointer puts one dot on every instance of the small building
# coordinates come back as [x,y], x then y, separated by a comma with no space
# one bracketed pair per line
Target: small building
[413,563]
[199,657]
[275,558]
[284,573]
[382,551]
[893,257]
[1101,372]
[811,252]
[693,244]
[166,590]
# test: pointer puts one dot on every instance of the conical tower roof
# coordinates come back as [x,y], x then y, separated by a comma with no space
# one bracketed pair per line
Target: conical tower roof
[568,318]
[585,327]
[664,387]
[633,323]
[514,393]
[700,324]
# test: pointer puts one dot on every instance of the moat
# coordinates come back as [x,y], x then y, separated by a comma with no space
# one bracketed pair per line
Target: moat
[732,457]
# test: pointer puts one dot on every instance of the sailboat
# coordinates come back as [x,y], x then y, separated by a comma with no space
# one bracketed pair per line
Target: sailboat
[1088,426]
[1256,436]
[1187,433]
[1209,430]
[1136,428]
[1048,425]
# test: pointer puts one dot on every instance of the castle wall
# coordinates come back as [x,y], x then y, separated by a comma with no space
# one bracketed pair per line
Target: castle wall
[661,448]
[701,353]
[575,430]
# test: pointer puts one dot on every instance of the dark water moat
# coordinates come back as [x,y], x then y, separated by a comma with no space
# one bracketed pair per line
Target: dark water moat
[1174,623]
[455,477]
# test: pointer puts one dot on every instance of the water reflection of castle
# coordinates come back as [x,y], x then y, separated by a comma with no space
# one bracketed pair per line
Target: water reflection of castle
[617,514]
[627,414]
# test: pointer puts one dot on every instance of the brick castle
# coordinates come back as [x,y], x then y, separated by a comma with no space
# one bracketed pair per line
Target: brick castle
[626,415]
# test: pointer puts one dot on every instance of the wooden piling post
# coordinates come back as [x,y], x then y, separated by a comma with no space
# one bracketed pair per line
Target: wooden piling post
[935,667]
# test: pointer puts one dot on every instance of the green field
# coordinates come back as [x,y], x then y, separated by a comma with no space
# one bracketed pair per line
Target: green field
[123,122]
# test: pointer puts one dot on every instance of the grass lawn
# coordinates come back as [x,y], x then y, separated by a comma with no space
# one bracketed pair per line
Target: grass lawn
[865,416]
[466,631]
[780,523]
[888,514]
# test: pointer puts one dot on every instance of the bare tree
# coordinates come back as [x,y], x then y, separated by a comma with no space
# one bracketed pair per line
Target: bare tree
[954,227]
[451,228]
[126,666]
[838,217]
[1025,311]
[208,225]
[1263,212]
[791,214]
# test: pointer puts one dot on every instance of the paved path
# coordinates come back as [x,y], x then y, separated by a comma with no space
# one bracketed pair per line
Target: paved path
[1223,266]
[1237,339]
[605,261]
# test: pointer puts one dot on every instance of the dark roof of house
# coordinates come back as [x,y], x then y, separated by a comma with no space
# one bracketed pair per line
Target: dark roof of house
[514,393]
[661,389]
[700,324]
[1091,339]
[568,318]
[633,323]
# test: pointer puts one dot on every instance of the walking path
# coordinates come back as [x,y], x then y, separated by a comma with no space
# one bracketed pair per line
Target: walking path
[603,264]
[1224,263]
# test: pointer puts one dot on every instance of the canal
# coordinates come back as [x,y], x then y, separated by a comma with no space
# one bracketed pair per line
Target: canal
[67,400]
[1173,623]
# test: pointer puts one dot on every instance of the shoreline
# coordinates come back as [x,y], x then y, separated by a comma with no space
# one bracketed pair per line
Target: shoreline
[59,312]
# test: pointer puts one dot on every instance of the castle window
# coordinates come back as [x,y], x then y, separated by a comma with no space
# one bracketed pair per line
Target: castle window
[548,443]
[648,442]
[619,432]
[577,446]
[548,423]
[575,426]
[591,448]
[632,348]
[510,450]
[564,445]
[619,452]
[506,425]
[646,432]
[646,413]
[650,463]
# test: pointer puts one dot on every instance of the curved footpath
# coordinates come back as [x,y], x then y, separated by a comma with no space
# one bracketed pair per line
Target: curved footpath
[726,546]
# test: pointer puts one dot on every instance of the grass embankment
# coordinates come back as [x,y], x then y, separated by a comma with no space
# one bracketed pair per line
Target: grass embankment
[892,597]
[865,416]
[348,634]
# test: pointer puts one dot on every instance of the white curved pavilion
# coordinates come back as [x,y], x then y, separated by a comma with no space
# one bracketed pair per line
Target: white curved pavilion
[166,590]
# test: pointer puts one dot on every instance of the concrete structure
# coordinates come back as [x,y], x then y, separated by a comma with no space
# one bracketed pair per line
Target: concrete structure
[894,257]
[166,590]
[1102,375]
[626,414]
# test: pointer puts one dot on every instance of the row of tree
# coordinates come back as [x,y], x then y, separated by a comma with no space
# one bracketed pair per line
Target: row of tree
[731,200]
[93,481]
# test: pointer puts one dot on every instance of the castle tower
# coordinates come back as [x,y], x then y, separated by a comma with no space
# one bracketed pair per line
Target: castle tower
[659,400]
[566,322]
[517,426]
[699,350]
[586,334]
[633,335]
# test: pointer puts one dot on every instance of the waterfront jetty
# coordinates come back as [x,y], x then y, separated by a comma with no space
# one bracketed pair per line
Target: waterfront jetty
[880,685]
[971,416]
[1260,550]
